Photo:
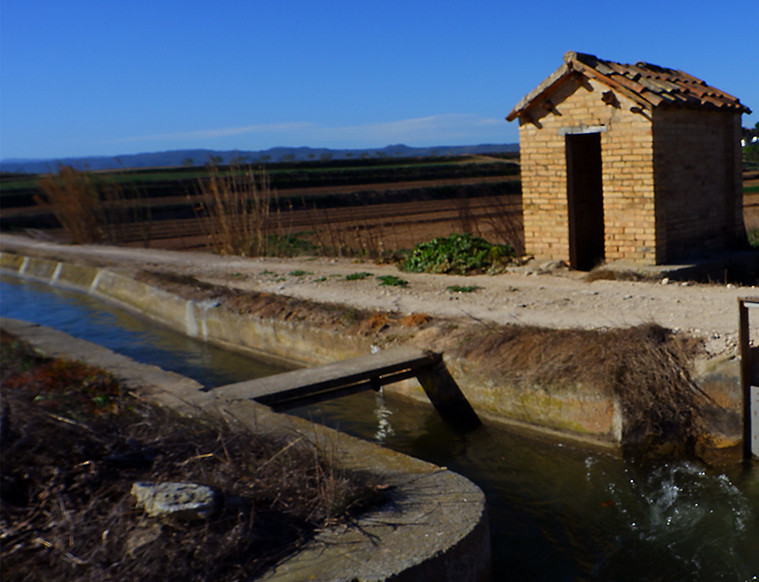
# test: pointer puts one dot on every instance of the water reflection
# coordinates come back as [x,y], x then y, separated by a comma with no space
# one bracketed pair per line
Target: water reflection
[88,318]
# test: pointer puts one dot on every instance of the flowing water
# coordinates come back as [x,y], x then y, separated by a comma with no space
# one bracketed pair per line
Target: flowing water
[557,511]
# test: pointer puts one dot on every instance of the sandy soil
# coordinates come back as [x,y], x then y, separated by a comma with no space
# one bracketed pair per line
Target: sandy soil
[530,295]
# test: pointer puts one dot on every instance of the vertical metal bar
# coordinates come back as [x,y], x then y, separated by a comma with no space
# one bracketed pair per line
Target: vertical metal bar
[745,353]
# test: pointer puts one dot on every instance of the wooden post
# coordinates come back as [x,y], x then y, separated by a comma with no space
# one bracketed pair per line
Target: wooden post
[747,373]
[446,396]
[744,348]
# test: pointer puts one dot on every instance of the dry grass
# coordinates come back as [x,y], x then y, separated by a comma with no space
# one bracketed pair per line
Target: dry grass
[126,210]
[646,367]
[74,200]
[235,207]
[95,208]
[72,446]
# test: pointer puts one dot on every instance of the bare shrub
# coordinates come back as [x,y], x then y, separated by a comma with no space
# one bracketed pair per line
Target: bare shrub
[74,200]
[463,207]
[96,208]
[330,238]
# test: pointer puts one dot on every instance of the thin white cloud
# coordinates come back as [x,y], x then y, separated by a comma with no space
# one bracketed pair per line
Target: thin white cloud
[203,134]
[447,129]
[424,128]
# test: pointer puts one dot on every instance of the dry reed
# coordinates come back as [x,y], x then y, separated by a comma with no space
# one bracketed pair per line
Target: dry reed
[645,367]
[234,208]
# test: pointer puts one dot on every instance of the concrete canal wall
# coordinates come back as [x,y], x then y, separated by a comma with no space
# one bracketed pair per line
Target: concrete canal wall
[565,408]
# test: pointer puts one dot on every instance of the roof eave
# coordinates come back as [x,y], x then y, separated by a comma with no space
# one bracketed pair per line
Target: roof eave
[529,100]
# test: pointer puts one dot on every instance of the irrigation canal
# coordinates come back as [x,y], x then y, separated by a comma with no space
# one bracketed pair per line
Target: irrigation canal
[557,511]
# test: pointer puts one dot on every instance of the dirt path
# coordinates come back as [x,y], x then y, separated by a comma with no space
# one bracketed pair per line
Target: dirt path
[557,299]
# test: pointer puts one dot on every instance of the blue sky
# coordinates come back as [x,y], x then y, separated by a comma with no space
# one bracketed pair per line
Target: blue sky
[99,77]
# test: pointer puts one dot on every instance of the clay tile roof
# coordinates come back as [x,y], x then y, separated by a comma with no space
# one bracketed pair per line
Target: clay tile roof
[649,85]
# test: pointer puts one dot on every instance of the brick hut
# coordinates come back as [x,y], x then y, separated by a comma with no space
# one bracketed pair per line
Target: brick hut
[629,162]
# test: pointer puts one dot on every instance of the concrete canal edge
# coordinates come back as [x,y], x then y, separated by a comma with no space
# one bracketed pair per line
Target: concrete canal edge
[435,526]
[576,412]
[566,410]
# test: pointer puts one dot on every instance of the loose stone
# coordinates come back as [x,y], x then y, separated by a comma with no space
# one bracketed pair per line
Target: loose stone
[178,500]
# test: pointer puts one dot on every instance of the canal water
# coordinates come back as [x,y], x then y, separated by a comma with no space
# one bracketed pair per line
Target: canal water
[557,511]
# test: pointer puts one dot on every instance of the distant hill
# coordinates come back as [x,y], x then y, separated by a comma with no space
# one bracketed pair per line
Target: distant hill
[277,154]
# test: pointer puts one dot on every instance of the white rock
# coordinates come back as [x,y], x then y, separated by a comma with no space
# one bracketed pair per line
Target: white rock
[178,500]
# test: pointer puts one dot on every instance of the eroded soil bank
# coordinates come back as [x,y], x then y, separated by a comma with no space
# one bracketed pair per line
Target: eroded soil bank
[638,382]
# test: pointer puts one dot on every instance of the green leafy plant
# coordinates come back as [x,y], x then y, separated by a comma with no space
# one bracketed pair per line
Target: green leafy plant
[392,281]
[357,276]
[299,273]
[459,254]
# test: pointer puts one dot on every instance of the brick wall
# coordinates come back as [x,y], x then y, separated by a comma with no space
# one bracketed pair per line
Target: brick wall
[698,182]
[627,175]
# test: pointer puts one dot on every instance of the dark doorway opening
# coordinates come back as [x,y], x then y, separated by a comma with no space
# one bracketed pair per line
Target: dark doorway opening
[585,200]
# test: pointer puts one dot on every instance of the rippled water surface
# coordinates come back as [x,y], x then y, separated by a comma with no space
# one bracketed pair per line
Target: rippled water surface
[557,511]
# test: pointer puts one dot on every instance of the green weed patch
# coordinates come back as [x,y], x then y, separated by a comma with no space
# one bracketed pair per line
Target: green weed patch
[357,276]
[392,281]
[460,254]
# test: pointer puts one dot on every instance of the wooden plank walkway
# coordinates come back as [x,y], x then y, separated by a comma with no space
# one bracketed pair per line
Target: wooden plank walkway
[305,386]
[370,372]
